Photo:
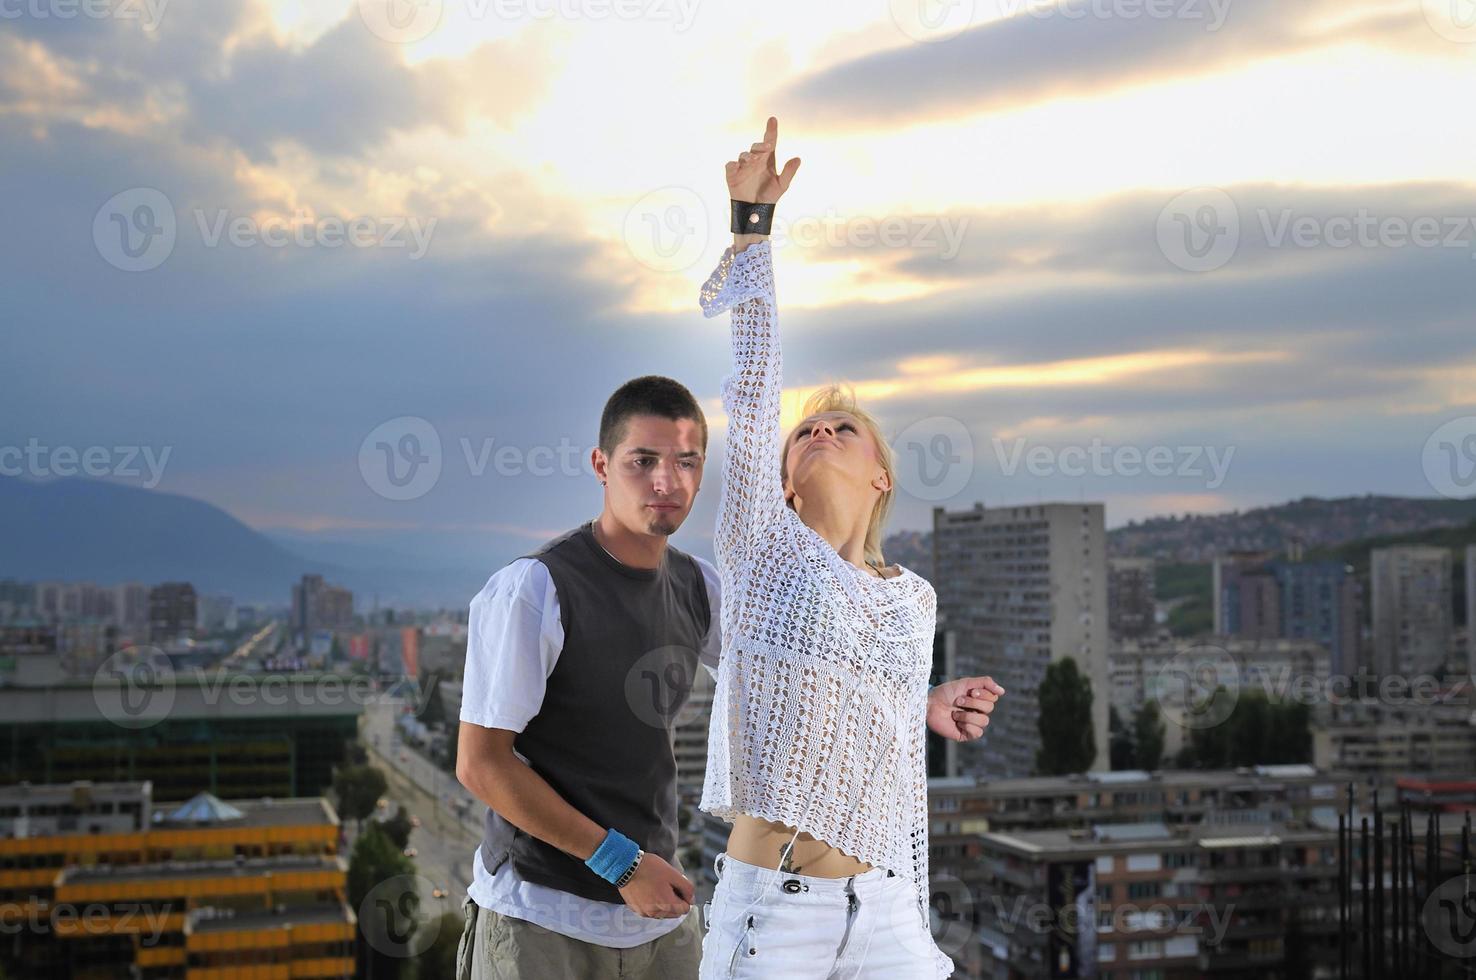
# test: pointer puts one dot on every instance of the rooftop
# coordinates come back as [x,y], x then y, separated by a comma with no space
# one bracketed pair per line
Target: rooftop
[204,920]
[250,868]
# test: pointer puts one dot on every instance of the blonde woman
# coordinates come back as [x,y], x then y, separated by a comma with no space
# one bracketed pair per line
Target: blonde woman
[816,744]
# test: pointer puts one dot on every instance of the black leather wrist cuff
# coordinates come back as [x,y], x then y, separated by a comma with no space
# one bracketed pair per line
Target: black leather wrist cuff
[750,218]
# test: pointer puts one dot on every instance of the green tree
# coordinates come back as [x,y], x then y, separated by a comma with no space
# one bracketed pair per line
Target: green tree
[438,960]
[358,789]
[1121,752]
[1291,733]
[397,828]
[1067,742]
[1148,735]
[381,882]
[1257,732]
[1249,726]
[1210,744]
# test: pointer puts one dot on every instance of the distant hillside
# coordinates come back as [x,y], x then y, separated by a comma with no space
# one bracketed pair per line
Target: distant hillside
[1319,523]
[1330,530]
[1323,526]
[98,531]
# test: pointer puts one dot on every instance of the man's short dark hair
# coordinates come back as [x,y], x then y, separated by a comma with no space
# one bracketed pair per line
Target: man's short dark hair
[651,394]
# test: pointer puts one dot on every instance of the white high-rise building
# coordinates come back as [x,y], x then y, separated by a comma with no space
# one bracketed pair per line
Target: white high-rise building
[131,604]
[1023,587]
[1412,615]
[1471,610]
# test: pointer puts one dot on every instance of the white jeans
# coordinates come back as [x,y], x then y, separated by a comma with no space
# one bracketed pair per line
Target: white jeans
[777,925]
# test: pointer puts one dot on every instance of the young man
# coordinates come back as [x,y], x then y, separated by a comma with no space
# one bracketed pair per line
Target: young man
[579,657]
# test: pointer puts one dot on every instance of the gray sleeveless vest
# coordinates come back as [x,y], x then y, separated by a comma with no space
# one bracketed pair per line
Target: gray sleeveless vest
[602,738]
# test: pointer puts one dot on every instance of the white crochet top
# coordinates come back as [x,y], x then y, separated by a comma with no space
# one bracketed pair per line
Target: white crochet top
[819,719]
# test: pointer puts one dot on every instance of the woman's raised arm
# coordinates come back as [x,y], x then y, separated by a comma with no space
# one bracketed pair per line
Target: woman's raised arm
[743,282]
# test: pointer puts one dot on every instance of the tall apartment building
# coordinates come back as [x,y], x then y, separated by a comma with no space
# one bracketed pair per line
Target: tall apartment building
[131,605]
[1260,597]
[215,612]
[17,600]
[1023,587]
[1413,627]
[316,605]
[171,612]
[943,758]
[1322,601]
[1130,597]
[1471,610]
[1247,601]
[689,737]
[75,600]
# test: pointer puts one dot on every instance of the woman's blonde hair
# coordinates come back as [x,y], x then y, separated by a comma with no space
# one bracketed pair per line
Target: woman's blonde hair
[835,398]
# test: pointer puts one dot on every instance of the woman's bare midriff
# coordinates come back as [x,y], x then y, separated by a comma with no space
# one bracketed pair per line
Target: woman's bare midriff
[761,842]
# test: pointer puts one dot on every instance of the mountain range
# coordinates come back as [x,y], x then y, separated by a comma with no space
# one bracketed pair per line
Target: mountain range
[81,529]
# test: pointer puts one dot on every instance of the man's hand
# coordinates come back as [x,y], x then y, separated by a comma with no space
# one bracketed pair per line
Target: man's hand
[657,890]
[959,709]
[752,176]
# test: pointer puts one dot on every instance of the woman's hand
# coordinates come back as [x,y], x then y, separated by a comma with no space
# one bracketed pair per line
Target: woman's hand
[752,176]
[959,709]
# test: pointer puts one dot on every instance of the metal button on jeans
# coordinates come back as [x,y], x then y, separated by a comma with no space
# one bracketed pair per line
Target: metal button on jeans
[794,885]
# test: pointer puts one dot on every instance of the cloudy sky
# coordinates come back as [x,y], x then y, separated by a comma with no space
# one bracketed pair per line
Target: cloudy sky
[1173,255]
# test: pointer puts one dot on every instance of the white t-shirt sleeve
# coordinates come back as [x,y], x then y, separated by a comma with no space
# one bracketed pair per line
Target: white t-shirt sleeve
[513,639]
[712,645]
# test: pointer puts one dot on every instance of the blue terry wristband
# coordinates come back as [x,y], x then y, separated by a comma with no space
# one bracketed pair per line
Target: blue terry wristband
[613,856]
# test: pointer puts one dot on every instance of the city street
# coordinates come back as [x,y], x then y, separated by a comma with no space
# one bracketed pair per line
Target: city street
[445,843]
